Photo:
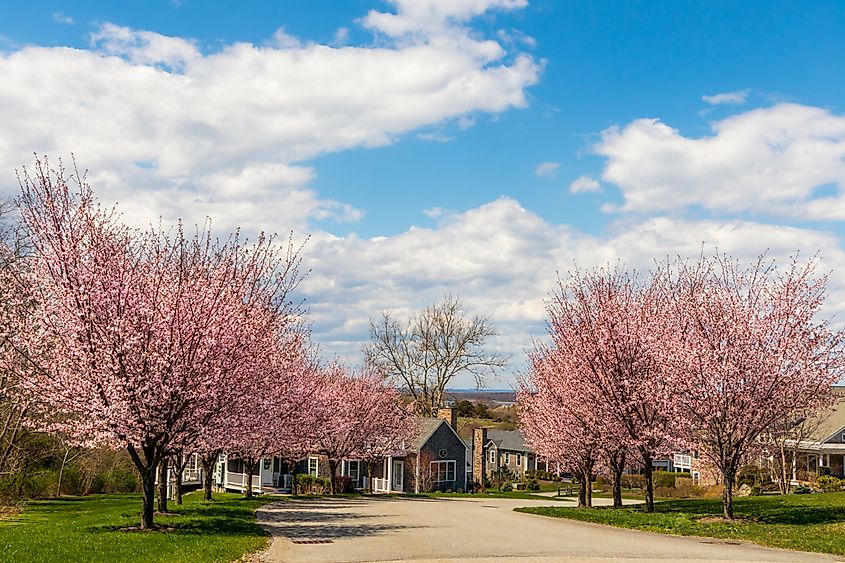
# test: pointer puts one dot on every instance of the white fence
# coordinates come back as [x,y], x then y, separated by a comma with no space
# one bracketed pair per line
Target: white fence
[380,485]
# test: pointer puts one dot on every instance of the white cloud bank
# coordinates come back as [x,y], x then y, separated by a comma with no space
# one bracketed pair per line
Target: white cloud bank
[504,260]
[170,130]
[787,160]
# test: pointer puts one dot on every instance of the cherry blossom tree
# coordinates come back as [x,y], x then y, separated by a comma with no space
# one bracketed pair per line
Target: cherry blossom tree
[147,334]
[551,424]
[365,418]
[751,350]
[606,328]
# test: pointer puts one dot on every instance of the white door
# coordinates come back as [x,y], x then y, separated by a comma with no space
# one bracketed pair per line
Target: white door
[398,475]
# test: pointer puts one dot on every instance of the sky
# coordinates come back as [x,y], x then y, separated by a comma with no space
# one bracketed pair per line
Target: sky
[480,148]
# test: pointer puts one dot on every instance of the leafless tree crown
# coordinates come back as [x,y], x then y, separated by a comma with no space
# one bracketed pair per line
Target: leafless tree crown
[434,346]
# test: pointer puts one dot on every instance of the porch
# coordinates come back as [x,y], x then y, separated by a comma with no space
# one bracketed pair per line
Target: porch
[809,461]
[271,475]
[391,477]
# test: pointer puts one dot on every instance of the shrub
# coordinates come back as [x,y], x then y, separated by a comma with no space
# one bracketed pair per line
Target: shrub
[633,481]
[830,484]
[533,485]
[507,487]
[310,485]
[344,484]
[802,490]
[663,479]
[823,471]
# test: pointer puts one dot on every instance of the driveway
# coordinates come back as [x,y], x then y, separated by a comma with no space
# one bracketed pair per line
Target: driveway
[419,529]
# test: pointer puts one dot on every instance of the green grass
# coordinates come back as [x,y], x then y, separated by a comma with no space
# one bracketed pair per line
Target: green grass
[72,529]
[802,522]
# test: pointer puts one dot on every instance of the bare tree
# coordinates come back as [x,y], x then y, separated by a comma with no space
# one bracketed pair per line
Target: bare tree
[784,440]
[425,354]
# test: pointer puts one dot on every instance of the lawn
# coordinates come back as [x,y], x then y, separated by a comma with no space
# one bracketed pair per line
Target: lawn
[88,528]
[802,522]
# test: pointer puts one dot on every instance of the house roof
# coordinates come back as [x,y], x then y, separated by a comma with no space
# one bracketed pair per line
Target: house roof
[835,421]
[427,427]
[508,440]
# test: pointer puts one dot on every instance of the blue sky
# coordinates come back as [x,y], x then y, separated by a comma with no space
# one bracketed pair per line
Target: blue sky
[471,146]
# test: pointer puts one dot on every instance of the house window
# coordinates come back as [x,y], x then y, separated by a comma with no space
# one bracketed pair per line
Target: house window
[492,456]
[443,471]
[507,458]
[519,460]
[353,469]
[314,466]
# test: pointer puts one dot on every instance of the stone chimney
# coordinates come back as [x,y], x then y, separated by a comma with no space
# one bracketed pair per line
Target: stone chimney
[450,415]
[479,438]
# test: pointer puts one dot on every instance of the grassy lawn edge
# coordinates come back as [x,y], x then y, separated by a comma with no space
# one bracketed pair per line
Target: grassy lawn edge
[810,523]
[93,528]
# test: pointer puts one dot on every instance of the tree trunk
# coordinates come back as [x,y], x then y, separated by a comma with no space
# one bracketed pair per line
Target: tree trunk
[208,460]
[649,482]
[333,475]
[582,491]
[783,477]
[727,494]
[162,486]
[370,477]
[180,467]
[146,469]
[249,468]
[617,467]
[589,489]
[61,473]
[293,487]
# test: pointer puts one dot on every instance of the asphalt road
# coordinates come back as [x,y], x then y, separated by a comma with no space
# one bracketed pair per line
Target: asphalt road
[423,529]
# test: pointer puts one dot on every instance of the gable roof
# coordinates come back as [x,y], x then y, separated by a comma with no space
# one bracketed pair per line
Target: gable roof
[427,428]
[834,424]
[508,440]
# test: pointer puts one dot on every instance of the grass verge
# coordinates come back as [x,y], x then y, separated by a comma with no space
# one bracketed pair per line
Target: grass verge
[91,529]
[801,522]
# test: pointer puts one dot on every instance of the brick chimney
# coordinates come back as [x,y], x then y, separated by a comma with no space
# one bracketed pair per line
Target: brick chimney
[479,438]
[450,415]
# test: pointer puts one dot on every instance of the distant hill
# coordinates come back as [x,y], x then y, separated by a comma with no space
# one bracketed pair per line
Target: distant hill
[490,396]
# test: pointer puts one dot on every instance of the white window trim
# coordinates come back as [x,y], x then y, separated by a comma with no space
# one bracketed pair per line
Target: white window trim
[357,463]
[507,458]
[435,474]
[492,456]
[317,465]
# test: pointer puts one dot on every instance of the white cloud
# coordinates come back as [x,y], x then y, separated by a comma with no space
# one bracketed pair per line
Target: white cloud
[738,97]
[786,160]
[341,36]
[170,130]
[584,184]
[433,212]
[504,260]
[547,169]
[61,17]
[432,17]
[283,40]
[435,137]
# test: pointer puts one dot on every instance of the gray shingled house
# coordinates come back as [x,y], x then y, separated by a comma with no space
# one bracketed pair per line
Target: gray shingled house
[435,460]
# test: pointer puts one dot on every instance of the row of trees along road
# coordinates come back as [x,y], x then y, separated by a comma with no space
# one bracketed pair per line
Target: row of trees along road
[165,343]
[708,355]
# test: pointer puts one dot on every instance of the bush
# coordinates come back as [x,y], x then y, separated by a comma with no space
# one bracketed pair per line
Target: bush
[309,485]
[802,490]
[830,484]
[823,471]
[633,481]
[507,487]
[344,484]
[533,486]
[664,479]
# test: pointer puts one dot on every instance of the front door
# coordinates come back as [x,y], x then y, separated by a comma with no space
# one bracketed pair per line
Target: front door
[398,475]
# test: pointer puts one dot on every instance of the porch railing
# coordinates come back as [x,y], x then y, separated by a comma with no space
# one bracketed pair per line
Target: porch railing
[380,485]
